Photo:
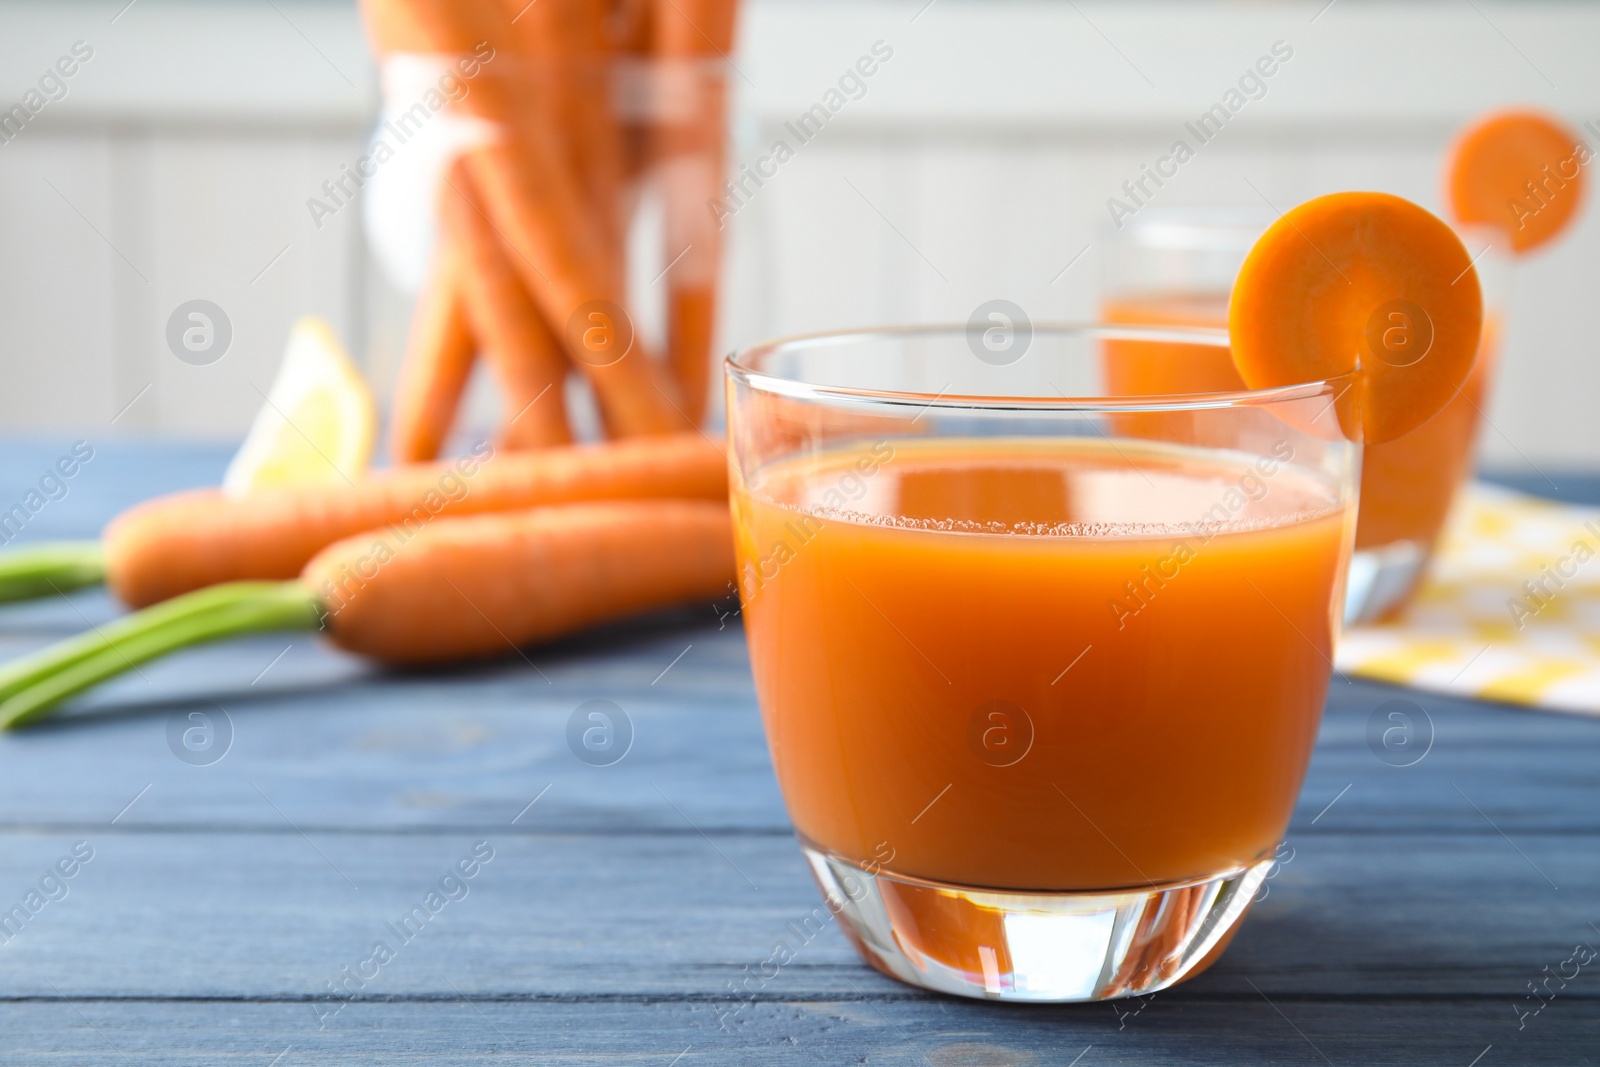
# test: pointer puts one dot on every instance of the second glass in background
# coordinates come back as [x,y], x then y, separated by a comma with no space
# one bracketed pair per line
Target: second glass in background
[1175,266]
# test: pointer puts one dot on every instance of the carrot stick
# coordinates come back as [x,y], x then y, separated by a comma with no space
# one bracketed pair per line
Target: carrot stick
[401,26]
[535,201]
[632,29]
[464,587]
[197,538]
[527,361]
[695,27]
[565,49]
[439,357]
[634,22]
[592,122]
[596,155]
[693,37]
[440,348]
[557,67]
[535,205]
[534,198]
[442,26]
[691,323]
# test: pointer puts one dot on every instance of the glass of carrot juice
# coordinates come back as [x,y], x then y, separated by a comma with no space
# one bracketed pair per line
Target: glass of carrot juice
[1175,266]
[1040,664]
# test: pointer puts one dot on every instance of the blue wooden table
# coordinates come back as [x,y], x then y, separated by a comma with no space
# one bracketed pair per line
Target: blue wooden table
[225,910]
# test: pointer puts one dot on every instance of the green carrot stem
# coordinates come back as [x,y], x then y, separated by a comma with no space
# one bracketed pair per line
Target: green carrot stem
[29,670]
[33,686]
[51,567]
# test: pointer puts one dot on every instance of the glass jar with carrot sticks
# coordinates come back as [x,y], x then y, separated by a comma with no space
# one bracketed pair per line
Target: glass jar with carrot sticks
[583,122]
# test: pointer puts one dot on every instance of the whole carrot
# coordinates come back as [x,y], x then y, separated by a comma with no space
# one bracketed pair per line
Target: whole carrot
[188,540]
[566,53]
[545,186]
[692,39]
[477,585]
[440,27]
[462,588]
[534,203]
[439,356]
[527,186]
[440,349]
[527,360]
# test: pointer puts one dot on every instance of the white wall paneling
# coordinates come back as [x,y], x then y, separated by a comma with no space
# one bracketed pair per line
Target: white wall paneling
[976,165]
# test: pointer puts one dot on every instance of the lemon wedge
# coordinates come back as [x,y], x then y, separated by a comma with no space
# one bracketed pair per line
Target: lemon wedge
[318,423]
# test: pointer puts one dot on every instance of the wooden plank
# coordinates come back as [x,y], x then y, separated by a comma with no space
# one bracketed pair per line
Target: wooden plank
[1177,1028]
[338,745]
[280,913]
[121,473]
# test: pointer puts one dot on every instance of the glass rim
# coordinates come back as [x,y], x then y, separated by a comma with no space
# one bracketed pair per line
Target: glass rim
[1219,227]
[740,365]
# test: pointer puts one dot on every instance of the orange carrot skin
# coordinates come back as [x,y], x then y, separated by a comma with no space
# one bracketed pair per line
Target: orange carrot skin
[693,34]
[1520,171]
[439,357]
[691,324]
[686,27]
[435,25]
[527,360]
[566,57]
[1321,283]
[189,540]
[483,585]
[536,206]
[526,185]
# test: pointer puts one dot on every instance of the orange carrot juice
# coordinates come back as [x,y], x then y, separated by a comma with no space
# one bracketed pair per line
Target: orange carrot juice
[1407,484]
[1041,664]
[1138,368]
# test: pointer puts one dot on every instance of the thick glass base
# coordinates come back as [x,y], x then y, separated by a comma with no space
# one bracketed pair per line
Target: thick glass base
[1034,946]
[1382,579]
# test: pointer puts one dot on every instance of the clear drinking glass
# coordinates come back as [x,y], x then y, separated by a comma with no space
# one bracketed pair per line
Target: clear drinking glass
[1040,665]
[1175,266]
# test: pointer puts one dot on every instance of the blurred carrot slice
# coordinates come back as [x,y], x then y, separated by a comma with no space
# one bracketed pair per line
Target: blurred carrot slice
[1365,284]
[1520,172]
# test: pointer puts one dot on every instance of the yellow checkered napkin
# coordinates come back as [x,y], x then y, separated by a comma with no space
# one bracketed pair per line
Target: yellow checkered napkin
[1511,612]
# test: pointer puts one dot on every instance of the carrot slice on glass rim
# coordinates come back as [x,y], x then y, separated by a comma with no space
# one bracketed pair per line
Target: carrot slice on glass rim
[1520,172]
[1361,284]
